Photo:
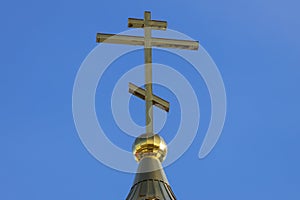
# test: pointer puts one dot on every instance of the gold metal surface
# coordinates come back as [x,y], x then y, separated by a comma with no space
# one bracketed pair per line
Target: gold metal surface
[157,101]
[153,24]
[148,73]
[140,41]
[149,145]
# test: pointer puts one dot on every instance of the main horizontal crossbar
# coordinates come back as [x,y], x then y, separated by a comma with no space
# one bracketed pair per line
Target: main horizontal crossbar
[157,101]
[138,40]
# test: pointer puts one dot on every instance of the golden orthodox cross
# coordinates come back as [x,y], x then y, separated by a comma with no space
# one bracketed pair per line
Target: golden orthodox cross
[147,41]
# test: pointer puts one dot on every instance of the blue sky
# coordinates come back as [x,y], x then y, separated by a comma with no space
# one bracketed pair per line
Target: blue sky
[256,46]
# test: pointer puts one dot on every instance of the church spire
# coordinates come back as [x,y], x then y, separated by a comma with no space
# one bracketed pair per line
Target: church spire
[149,149]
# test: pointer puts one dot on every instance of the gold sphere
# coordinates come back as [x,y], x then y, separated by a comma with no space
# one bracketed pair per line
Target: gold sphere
[149,145]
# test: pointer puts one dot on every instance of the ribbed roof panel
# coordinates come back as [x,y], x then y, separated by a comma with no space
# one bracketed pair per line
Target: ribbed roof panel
[150,182]
[151,190]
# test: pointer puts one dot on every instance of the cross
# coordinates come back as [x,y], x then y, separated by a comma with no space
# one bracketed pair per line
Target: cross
[148,41]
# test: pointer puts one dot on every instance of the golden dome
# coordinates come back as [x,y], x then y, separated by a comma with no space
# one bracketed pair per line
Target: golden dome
[149,145]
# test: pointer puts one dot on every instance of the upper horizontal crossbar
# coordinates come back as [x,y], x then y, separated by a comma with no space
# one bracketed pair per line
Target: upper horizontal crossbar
[153,24]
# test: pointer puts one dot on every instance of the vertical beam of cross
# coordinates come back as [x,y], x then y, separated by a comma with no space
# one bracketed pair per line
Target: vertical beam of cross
[148,74]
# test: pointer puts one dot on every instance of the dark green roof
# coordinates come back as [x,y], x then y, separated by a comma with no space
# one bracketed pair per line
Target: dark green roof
[150,182]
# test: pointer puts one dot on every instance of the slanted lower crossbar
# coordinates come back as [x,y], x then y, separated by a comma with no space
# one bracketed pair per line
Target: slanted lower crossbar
[157,101]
